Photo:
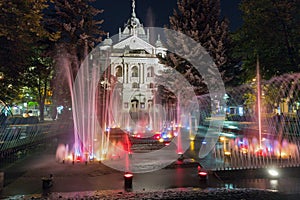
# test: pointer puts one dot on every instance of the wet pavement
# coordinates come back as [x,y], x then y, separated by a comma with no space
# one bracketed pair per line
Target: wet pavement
[24,177]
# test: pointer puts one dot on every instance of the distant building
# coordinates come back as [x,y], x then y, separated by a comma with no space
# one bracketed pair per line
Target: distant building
[133,63]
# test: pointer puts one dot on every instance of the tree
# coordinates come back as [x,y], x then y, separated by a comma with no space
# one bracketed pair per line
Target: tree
[201,21]
[39,75]
[80,32]
[20,28]
[271,31]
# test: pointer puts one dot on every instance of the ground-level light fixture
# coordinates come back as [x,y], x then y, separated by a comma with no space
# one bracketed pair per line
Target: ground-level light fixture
[128,176]
[273,172]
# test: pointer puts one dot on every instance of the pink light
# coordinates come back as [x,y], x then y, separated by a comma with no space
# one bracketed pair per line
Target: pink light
[128,175]
[202,173]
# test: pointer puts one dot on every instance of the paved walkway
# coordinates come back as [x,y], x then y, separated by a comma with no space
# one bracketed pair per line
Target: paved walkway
[25,176]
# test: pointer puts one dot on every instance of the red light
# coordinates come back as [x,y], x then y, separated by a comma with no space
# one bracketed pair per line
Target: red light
[128,175]
[202,173]
[78,158]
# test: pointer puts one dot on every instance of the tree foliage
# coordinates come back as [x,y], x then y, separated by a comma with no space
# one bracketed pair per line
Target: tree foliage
[39,75]
[77,23]
[21,20]
[271,30]
[80,30]
[20,29]
[201,21]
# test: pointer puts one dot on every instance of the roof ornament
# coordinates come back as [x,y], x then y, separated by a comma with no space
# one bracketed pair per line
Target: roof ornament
[133,8]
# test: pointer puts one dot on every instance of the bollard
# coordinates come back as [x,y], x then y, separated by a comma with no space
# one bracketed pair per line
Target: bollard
[128,181]
[1,181]
[47,182]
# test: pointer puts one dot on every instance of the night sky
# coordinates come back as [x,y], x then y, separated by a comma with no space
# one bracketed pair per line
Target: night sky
[154,13]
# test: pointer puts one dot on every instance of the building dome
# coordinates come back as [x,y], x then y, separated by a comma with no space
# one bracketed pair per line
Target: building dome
[133,26]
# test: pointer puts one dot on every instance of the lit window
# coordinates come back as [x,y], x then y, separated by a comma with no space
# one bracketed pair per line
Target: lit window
[134,71]
[135,85]
[119,72]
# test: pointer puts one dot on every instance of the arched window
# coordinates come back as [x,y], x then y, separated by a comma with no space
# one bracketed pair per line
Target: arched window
[150,71]
[134,71]
[134,103]
[149,103]
[135,85]
[151,85]
[119,72]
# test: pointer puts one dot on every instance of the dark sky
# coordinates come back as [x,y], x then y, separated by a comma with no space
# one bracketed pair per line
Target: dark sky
[154,13]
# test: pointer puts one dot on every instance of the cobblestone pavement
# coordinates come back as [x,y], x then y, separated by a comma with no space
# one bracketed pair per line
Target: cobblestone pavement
[179,193]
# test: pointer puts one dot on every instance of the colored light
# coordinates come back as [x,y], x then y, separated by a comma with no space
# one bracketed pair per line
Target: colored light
[202,173]
[128,175]
[273,172]
[192,137]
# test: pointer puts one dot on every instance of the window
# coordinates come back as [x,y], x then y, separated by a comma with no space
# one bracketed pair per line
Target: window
[151,85]
[150,71]
[119,72]
[149,103]
[134,71]
[135,85]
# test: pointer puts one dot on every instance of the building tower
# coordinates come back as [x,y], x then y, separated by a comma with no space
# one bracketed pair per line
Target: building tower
[134,64]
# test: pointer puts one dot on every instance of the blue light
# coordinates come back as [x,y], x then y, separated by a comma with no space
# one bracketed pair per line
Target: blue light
[164,135]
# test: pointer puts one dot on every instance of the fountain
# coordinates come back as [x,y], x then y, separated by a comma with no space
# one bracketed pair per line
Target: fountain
[96,105]
[270,138]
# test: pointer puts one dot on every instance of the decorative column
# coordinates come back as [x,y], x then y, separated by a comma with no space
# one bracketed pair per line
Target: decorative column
[143,66]
[124,72]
